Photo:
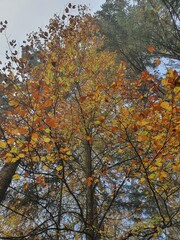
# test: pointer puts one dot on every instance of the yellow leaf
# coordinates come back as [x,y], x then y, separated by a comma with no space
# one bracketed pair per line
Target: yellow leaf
[166,106]
[21,155]
[120,150]
[43,158]
[45,167]
[144,122]
[3,144]
[152,176]
[14,150]
[152,168]
[142,180]
[158,162]
[159,136]
[15,159]
[47,130]
[10,155]
[170,73]
[120,169]
[16,177]
[165,81]
[155,236]
[16,131]
[176,168]
[164,174]
[46,139]
[59,168]
[141,138]
[144,133]
[149,127]
[176,89]
[159,230]
[13,103]
[76,237]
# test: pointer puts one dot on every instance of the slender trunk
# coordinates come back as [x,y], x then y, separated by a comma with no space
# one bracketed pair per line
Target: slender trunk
[59,212]
[6,174]
[91,205]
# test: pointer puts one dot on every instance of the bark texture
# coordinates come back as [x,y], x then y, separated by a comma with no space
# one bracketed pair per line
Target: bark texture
[91,205]
[6,174]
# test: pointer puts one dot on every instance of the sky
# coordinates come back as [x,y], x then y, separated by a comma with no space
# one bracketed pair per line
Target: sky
[25,16]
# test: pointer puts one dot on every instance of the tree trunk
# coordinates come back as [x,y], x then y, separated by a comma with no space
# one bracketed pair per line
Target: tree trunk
[6,174]
[91,205]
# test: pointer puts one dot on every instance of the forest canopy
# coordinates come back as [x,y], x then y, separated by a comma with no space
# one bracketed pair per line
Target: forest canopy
[88,150]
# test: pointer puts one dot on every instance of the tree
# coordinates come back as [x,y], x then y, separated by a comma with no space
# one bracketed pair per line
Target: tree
[132,26]
[87,140]
[8,169]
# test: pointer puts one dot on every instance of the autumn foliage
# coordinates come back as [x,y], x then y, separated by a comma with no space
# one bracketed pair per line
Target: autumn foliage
[88,139]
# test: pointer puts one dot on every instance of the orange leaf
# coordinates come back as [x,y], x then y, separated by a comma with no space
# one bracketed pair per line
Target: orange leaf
[101,119]
[26,186]
[89,139]
[89,181]
[22,130]
[144,75]
[82,99]
[150,49]
[157,62]
[10,141]
[51,122]
[47,103]
[115,129]
[41,181]
[34,136]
